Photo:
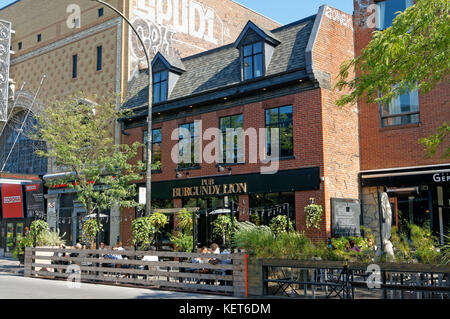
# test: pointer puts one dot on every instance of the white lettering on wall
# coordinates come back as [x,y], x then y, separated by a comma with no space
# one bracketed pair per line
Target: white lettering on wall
[343,18]
[160,21]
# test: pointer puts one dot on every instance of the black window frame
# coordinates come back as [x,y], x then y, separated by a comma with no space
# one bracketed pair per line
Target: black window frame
[406,117]
[223,130]
[74,66]
[253,56]
[278,124]
[100,12]
[157,85]
[99,58]
[39,37]
[155,141]
[192,130]
[19,46]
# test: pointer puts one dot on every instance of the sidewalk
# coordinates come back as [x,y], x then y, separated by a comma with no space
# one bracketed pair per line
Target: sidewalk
[10,266]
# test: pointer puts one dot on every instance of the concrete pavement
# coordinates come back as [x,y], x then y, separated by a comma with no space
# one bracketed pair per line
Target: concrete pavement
[10,266]
[17,287]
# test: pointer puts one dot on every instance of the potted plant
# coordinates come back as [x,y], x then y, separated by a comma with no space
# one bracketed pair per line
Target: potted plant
[314,215]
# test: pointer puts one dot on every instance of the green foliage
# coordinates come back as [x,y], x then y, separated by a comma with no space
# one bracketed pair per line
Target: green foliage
[433,142]
[255,219]
[414,53]
[261,242]
[314,214]
[158,221]
[446,250]
[279,224]
[185,221]
[402,250]
[38,229]
[424,244]
[44,237]
[79,138]
[222,227]
[90,229]
[183,242]
[142,230]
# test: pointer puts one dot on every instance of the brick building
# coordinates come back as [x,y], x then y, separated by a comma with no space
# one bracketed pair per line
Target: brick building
[392,159]
[281,78]
[82,46]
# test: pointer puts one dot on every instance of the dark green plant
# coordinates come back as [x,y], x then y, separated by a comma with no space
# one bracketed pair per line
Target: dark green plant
[182,242]
[279,224]
[314,214]
[185,221]
[222,227]
[142,230]
[90,229]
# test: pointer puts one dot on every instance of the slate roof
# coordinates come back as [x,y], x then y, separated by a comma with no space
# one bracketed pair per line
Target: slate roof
[221,67]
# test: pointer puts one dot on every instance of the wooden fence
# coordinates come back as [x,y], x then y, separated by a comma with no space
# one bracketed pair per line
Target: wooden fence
[168,270]
[331,279]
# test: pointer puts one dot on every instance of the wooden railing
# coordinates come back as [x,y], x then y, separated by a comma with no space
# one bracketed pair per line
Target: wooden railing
[171,270]
[330,279]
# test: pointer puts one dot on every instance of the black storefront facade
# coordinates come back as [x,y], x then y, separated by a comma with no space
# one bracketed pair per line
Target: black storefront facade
[249,197]
[22,203]
[419,195]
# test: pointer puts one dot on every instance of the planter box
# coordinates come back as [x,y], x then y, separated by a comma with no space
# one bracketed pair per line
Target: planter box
[44,261]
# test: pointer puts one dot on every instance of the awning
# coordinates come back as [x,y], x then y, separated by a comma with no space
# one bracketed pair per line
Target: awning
[407,176]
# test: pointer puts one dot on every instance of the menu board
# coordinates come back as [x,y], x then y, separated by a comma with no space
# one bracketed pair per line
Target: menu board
[346,217]
[35,200]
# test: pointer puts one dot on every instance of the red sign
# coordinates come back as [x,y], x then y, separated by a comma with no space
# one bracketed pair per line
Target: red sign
[12,201]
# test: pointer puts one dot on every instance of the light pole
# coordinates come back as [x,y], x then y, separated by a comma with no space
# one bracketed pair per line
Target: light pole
[148,209]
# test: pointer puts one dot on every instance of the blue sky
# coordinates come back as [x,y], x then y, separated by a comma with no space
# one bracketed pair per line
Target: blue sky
[287,11]
[282,11]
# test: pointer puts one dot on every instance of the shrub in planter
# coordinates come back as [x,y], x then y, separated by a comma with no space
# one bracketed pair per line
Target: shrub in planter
[182,242]
[90,229]
[279,225]
[142,230]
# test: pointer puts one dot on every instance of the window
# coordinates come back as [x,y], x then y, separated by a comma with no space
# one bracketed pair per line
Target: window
[99,58]
[160,86]
[230,122]
[389,9]
[253,66]
[186,145]
[100,12]
[20,45]
[74,66]
[22,158]
[156,146]
[281,118]
[402,110]
[39,37]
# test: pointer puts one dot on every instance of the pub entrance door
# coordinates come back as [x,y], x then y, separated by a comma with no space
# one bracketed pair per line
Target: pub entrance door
[209,208]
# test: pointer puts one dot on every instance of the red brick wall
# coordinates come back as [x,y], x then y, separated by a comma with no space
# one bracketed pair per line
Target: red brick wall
[333,46]
[398,146]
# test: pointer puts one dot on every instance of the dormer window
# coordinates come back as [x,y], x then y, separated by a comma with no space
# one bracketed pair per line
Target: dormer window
[160,81]
[256,47]
[253,60]
[166,72]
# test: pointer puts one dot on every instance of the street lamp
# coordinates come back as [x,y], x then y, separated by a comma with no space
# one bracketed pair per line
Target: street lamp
[148,209]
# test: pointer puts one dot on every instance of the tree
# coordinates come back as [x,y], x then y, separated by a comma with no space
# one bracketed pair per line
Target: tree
[413,54]
[79,139]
